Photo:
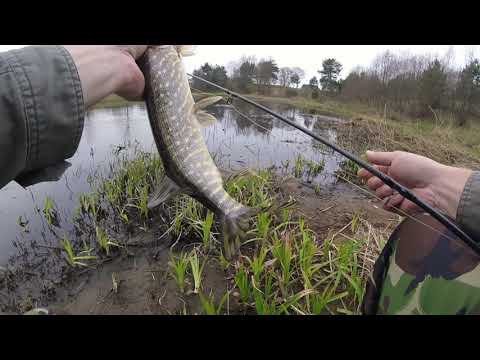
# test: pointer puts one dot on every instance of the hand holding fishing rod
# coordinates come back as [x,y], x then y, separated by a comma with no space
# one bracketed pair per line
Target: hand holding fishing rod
[439,185]
[402,190]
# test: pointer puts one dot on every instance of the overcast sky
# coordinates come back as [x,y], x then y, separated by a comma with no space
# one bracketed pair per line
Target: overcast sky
[310,57]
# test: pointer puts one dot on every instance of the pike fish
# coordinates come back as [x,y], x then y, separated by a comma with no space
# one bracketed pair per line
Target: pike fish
[176,122]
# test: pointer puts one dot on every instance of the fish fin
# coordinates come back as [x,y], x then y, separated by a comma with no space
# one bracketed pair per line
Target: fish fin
[164,191]
[234,228]
[186,50]
[206,102]
[205,119]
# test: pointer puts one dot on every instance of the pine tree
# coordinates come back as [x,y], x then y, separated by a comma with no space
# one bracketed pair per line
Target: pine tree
[330,72]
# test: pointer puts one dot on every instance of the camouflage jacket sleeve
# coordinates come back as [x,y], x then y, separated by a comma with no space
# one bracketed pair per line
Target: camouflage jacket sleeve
[468,214]
[41,109]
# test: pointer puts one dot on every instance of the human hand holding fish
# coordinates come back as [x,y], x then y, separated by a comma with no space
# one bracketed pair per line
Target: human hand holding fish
[108,69]
[156,74]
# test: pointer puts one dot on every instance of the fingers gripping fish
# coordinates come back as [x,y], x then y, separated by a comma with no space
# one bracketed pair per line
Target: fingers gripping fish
[176,122]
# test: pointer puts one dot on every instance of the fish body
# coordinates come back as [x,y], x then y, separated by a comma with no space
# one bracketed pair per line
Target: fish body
[176,120]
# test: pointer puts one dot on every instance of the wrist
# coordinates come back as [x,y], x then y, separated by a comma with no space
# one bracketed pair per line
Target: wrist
[448,185]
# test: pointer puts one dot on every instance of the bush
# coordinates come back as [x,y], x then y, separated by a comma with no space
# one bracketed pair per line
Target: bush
[291,93]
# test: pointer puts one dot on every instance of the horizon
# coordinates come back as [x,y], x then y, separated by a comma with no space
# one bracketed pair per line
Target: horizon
[310,57]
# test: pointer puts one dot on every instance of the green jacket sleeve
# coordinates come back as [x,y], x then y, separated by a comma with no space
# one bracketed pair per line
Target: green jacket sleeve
[41,109]
[468,213]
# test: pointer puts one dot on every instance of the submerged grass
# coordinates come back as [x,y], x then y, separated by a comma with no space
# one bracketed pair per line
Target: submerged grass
[305,168]
[104,240]
[74,259]
[50,213]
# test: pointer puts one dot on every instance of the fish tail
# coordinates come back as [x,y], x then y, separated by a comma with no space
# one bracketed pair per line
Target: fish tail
[186,50]
[234,229]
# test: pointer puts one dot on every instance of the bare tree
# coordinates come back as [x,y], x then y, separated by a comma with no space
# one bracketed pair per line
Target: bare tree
[284,76]
[299,72]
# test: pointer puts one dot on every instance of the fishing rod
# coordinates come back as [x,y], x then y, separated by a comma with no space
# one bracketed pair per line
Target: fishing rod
[406,193]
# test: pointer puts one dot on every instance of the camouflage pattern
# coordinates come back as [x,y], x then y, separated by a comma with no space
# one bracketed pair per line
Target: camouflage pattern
[423,271]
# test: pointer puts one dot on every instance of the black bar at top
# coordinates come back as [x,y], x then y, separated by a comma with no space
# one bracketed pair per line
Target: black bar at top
[406,193]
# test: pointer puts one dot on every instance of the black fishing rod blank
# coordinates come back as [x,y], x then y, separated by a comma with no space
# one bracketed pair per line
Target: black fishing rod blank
[406,193]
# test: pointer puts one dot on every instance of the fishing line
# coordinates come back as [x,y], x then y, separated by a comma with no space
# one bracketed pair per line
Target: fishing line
[403,213]
[252,121]
[406,193]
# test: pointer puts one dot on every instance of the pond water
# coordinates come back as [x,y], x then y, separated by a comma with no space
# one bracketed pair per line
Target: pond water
[242,138]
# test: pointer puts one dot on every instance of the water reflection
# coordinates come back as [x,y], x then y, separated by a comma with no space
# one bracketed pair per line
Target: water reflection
[255,140]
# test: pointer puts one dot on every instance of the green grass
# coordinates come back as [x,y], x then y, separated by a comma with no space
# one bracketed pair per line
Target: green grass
[104,240]
[207,230]
[208,304]
[306,168]
[243,284]
[283,267]
[257,264]
[50,212]
[282,252]
[72,258]
[348,172]
[178,267]
[197,270]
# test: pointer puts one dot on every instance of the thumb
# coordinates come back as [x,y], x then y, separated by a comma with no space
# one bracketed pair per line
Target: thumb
[380,158]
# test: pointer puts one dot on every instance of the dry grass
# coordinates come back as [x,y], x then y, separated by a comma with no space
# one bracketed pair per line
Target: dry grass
[441,143]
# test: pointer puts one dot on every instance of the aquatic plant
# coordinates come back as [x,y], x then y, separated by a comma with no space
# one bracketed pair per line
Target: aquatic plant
[241,281]
[348,172]
[104,241]
[299,166]
[314,168]
[282,251]
[71,257]
[207,230]
[50,212]
[284,269]
[89,204]
[258,264]
[306,252]
[263,224]
[208,303]
[224,263]
[178,267]
[197,270]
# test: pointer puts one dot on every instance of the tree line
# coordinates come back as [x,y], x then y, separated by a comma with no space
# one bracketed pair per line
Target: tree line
[248,75]
[416,85]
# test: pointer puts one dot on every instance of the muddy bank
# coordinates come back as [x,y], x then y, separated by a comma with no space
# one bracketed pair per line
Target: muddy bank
[138,281]
[64,261]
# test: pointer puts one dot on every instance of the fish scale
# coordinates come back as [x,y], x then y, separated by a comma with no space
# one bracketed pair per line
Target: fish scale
[175,120]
